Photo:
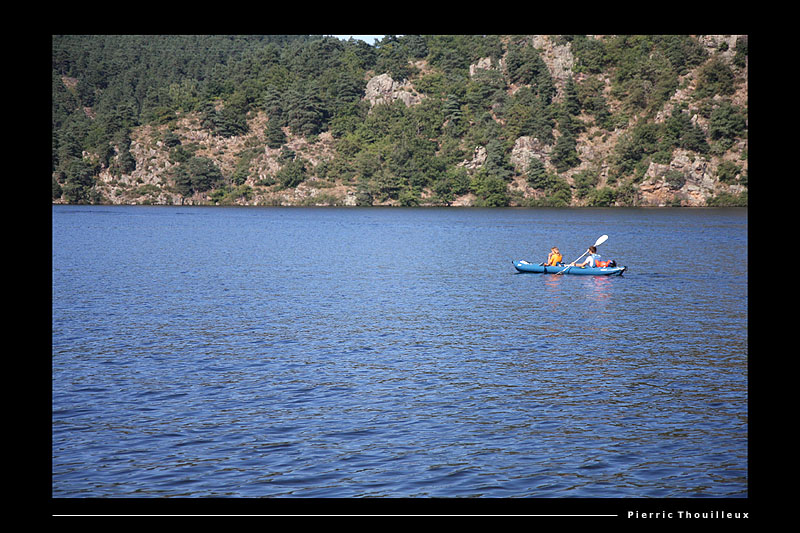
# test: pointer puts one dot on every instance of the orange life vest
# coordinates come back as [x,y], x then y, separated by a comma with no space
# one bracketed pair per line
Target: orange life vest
[554,259]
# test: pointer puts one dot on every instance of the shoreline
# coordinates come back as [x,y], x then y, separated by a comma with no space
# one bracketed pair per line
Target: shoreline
[454,207]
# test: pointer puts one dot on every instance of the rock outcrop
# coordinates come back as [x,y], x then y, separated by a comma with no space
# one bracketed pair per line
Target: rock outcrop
[687,180]
[383,89]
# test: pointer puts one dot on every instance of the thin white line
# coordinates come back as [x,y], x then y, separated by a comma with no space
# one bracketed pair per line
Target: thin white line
[337,515]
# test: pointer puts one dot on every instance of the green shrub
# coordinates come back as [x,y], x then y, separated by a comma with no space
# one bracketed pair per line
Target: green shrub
[727,172]
[675,179]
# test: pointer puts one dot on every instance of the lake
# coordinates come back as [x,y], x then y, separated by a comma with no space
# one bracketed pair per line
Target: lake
[381,352]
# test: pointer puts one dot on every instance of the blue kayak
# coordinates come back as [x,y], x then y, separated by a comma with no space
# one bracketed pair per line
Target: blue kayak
[524,266]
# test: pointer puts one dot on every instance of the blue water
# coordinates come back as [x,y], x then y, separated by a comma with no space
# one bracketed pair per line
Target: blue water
[250,352]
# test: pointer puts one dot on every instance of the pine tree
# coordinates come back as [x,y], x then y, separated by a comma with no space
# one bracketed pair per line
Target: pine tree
[564,155]
[275,135]
[571,103]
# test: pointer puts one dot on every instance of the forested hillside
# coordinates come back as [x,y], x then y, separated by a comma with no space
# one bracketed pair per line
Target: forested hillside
[495,120]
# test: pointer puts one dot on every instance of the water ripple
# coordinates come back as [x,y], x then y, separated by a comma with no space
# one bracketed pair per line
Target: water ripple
[341,353]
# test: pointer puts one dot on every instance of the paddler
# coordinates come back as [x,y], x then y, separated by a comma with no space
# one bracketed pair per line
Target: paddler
[554,258]
[591,259]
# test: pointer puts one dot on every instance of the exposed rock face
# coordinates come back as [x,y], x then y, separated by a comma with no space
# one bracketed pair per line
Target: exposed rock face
[477,161]
[684,180]
[151,181]
[383,89]
[713,42]
[526,148]
[482,64]
[558,58]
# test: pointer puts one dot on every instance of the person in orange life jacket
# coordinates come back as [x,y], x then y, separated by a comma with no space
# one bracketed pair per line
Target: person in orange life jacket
[591,260]
[554,257]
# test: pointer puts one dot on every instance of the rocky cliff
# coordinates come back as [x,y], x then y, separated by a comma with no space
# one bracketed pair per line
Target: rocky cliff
[686,179]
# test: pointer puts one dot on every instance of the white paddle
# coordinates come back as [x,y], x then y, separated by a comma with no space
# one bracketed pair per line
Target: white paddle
[598,242]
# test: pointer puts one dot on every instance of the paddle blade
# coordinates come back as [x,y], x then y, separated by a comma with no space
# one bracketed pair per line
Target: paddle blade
[601,240]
